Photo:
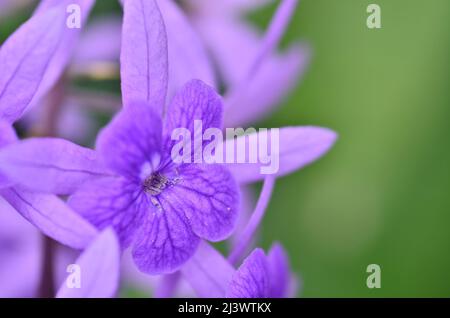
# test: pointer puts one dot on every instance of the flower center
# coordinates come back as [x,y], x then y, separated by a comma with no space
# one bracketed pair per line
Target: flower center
[156,183]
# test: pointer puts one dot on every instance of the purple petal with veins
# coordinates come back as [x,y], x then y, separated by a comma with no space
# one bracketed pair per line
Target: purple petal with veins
[162,209]
[131,143]
[50,165]
[165,240]
[196,101]
[115,202]
[208,197]
[143,60]
[298,147]
[280,273]
[252,279]
[67,45]
[24,59]
[35,56]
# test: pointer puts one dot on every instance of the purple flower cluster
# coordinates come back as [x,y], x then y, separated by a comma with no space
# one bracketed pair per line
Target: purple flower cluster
[127,193]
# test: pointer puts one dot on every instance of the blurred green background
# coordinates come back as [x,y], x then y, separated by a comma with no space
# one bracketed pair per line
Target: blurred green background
[382,194]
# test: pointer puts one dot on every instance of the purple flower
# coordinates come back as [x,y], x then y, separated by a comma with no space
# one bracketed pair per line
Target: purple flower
[259,276]
[33,58]
[256,76]
[160,208]
[262,276]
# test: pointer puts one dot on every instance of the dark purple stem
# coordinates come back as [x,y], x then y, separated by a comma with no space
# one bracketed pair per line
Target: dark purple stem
[48,129]
[47,287]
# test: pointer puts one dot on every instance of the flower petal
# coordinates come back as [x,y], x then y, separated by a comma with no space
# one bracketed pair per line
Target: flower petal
[68,41]
[208,196]
[261,73]
[131,140]
[24,58]
[99,269]
[144,66]
[20,254]
[280,273]
[34,57]
[111,202]
[251,228]
[233,44]
[165,240]
[257,78]
[52,216]
[208,272]
[195,103]
[298,147]
[246,207]
[251,280]
[50,165]
[256,98]
[194,61]
[7,136]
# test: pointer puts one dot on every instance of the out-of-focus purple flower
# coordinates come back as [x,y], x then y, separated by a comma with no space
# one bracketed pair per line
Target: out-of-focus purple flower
[259,276]
[33,58]
[262,276]
[99,269]
[255,76]
[211,275]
